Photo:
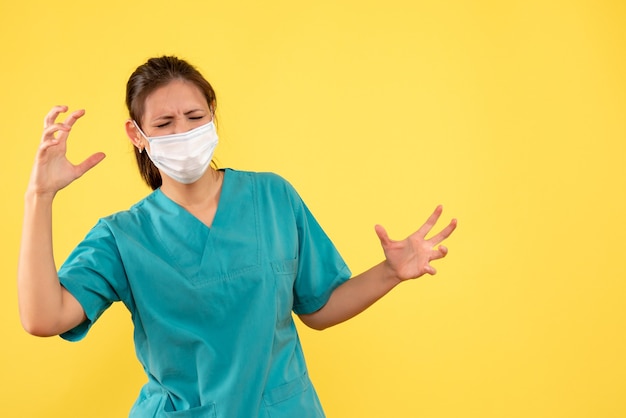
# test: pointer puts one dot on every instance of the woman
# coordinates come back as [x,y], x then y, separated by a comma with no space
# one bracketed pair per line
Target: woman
[211,264]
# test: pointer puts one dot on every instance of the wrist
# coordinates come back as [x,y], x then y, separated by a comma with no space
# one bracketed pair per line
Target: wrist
[34,196]
[389,274]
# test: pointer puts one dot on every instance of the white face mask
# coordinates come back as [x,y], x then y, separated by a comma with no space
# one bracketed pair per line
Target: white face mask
[184,157]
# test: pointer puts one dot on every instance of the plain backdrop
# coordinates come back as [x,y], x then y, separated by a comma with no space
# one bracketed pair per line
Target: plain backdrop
[510,114]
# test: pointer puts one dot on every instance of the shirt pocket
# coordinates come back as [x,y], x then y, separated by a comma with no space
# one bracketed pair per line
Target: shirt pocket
[296,398]
[286,391]
[204,411]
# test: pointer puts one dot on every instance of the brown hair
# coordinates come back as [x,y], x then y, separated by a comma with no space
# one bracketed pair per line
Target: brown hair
[155,73]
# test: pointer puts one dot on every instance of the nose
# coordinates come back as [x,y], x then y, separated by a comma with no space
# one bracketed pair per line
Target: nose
[182,125]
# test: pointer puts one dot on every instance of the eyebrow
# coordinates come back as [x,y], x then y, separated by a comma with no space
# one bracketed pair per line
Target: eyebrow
[167,117]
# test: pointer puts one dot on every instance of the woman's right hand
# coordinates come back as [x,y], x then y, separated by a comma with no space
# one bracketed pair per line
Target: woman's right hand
[52,170]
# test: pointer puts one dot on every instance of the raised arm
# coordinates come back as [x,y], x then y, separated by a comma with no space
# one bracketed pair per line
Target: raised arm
[404,260]
[46,308]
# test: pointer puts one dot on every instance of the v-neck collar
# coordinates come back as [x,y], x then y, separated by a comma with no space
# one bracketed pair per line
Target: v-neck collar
[230,247]
[181,211]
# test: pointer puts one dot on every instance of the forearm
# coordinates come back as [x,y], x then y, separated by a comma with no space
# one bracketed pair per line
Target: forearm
[40,295]
[353,297]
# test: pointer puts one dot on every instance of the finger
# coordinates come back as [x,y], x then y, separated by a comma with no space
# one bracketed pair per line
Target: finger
[445,233]
[52,115]
[430,222]
[382,235]
[430,269]
[48,132]
[68,123]
[64,128]
[73,117]
[438,253]
[48,144]
[89,163]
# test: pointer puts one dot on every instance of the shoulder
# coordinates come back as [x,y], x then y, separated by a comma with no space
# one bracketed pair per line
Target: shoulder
[263,180]
[125,219]
[270,190]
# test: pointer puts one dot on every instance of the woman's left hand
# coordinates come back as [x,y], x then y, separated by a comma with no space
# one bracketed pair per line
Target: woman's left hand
[411,257]
[406,259]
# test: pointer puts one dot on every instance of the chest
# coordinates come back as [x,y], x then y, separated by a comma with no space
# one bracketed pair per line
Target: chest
[204,215]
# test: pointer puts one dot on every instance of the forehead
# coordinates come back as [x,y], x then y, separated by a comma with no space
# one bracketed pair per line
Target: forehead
[177,96]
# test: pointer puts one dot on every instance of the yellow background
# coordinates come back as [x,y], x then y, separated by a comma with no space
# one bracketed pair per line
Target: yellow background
[511,114]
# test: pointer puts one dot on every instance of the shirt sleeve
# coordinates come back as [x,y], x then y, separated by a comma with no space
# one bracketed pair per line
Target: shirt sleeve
[94,274]
[321,269]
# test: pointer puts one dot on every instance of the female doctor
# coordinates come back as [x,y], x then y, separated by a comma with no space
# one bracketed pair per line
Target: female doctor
[211,264]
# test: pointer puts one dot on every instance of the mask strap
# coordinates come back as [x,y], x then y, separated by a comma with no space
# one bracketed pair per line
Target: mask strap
[140,131]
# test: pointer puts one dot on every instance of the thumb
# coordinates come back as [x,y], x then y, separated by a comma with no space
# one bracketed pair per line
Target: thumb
[89,163]
[382,235]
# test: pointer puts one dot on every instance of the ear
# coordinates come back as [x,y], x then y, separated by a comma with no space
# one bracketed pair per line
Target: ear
[136,138]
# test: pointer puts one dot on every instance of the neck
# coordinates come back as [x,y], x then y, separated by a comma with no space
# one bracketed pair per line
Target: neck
[204,192]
